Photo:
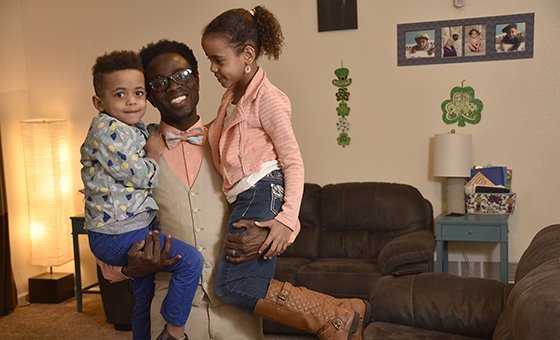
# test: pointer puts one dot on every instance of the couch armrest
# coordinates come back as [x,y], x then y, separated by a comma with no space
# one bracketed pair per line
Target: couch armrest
[415,247]
[441,302]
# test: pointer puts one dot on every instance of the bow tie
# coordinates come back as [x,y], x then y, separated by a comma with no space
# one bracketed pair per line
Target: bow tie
[194,136]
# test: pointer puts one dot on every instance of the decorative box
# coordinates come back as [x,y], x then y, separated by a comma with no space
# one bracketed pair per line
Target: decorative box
[482,203]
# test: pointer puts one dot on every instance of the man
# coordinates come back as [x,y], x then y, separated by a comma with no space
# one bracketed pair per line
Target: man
[191,204]
[457,43]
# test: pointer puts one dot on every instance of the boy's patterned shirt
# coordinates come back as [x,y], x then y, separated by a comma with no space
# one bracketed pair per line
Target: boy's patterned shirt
[117,178]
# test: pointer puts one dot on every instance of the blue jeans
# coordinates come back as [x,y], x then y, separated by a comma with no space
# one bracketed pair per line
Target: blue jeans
[245,283]
[112,249]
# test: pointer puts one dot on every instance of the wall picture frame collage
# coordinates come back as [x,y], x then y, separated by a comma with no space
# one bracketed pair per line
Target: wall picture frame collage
[466,40]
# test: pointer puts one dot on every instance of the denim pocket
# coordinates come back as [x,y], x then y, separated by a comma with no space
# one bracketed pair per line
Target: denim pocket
[276,197]
[246,199]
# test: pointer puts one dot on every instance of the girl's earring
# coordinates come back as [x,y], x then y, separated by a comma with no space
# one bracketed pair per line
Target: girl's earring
[247,69]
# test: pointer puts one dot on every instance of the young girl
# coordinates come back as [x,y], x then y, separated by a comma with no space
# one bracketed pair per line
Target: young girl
[255,150]
[475,43]
[120,166]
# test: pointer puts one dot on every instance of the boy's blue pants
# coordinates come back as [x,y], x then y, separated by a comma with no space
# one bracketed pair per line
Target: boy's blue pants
[112,249]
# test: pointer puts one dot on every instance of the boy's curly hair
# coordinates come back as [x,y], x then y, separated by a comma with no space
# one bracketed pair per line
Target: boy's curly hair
[152,50]
[111,62]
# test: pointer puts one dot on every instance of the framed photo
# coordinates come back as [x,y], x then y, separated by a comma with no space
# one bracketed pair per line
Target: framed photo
[420,44]
[337,15]
[475,40]
[466,40]
[452,41]
[511,37]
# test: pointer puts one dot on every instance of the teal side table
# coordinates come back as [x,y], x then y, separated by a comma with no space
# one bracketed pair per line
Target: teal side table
[471,228]
[77,230]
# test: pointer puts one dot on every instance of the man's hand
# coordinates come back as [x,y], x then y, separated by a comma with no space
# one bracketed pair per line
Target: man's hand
[245,246]
[151,259]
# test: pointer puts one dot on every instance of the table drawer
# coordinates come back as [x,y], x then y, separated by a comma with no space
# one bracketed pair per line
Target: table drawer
[470,233]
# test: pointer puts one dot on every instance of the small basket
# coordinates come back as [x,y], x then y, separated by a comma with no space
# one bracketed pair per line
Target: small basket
[479,203]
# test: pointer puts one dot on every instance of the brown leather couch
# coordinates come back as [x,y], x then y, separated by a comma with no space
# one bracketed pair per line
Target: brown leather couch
[353,234]
[443,306]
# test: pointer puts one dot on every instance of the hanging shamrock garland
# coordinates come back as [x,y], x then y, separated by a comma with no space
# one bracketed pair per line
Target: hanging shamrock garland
[343,110]
[462,107]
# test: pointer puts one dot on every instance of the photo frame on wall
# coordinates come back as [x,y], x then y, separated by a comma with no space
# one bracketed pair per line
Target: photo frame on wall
[335,15]
[466,40]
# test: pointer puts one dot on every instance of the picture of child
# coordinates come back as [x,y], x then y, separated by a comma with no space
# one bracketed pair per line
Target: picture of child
[420,44]
[474,43]
[512,38]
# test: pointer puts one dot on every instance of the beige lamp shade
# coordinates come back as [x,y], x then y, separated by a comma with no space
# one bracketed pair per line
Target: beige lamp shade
[453,160]
[452,155]
[45,146]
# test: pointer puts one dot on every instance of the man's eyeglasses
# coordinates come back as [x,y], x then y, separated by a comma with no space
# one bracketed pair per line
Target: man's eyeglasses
[180,77]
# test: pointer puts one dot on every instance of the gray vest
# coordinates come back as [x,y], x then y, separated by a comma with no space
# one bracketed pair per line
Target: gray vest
[196,216]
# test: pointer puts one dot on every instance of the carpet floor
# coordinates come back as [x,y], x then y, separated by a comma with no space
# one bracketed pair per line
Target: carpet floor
[62,321]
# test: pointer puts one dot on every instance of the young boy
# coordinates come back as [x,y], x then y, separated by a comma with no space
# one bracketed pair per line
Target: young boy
[510,40]
[120,166]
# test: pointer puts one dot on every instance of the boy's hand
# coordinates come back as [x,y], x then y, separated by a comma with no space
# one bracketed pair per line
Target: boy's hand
[112,274]
[154,145]
[277,240]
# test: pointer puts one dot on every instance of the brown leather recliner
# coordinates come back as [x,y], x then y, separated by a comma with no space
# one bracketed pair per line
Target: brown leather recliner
[354,233]
[443,306]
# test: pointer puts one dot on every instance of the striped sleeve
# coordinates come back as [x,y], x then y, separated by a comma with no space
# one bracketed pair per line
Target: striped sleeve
[275,116]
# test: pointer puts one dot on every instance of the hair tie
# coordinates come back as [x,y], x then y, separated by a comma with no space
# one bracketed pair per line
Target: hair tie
[252,11]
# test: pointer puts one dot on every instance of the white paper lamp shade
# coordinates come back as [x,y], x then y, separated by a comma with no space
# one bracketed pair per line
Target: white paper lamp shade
[452,155]
[45,144]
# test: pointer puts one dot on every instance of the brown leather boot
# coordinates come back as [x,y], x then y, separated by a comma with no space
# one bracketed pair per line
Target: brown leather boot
[362,307]
[307,310]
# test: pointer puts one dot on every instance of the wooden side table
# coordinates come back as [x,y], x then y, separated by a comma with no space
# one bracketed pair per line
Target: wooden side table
[77,230]
[472,228]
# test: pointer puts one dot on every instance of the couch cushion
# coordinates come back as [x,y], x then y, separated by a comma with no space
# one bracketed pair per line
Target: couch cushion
[372,206]
[339,277]
[287,267]
[310,204]
[533,305]
[307,242]
[544,246]
[391,331]
[358,219]
[440,301]
[405,250]
[353,244]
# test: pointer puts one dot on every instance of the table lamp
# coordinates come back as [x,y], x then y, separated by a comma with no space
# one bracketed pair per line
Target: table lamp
[453,160]
[47,169]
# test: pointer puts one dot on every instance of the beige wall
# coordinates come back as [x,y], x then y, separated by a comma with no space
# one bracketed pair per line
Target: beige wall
[47,49]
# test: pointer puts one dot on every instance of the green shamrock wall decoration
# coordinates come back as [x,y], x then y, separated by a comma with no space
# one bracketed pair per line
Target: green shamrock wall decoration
[343,110]
[462,108]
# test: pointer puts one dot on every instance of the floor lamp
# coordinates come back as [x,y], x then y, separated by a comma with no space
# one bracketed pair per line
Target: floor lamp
[45,146]
[453,161]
